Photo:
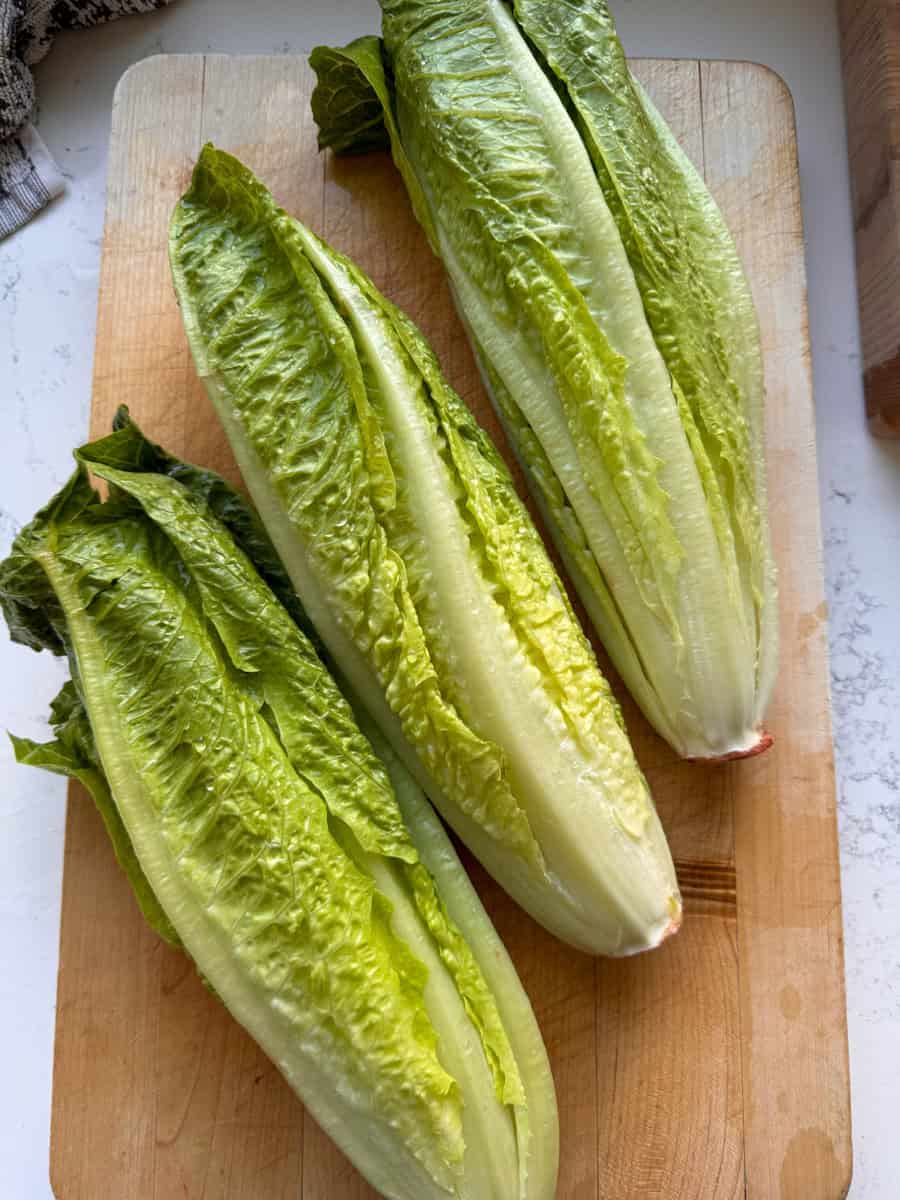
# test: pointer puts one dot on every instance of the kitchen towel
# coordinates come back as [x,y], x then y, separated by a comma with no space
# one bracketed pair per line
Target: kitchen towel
[29,178]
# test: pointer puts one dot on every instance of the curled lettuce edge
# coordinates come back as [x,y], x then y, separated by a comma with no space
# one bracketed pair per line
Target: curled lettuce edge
[72,754]
[453,917]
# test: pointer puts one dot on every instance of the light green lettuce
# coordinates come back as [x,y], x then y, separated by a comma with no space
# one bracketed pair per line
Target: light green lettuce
[259,826]
[693,287]
[72,753]
[418,565]
[352,101]
[613,324]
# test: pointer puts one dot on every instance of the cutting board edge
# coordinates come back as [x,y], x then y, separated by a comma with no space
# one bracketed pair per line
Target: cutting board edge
[131,78]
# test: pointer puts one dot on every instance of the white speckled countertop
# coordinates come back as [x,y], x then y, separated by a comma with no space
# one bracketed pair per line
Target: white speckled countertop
[48,286]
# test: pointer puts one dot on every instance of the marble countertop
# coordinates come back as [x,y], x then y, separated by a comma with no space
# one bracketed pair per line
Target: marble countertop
[48,287]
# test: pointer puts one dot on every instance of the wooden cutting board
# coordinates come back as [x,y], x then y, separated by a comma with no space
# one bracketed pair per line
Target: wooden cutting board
[711,1069]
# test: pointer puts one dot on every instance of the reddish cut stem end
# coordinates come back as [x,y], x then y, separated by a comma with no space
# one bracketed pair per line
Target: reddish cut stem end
[765,741]
[672,928]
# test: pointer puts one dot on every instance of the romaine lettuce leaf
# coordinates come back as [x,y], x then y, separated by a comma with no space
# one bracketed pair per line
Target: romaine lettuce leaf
[128,449]
[31,608]
[72,753]
[347,94]
[659,495]
[314,723]
[416,561]
[692,284]
[353,95]
[254,818]
[461,933]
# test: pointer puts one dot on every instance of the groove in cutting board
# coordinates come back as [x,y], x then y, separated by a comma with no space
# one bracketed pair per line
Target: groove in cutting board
[711,1069]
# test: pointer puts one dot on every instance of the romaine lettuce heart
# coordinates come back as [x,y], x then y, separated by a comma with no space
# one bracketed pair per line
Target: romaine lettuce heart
[261,831]
[613,324]
[417,562]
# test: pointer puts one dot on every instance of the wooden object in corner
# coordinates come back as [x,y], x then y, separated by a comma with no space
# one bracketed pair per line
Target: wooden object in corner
[714,1068]
[870,48]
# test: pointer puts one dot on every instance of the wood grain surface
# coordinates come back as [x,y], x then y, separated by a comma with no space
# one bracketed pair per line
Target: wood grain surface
[713,1068]
[870,51]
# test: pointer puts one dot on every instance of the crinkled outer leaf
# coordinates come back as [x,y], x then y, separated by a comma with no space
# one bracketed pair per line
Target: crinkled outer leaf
[545,286]
[415,559]
[72,753]
[352,107]
[691,281]
[35,618]
[128,449]
[30,606]
[345,104]
[294,937]
[314,722]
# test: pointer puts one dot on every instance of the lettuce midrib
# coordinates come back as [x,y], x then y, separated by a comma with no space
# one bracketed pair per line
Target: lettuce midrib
[501,543]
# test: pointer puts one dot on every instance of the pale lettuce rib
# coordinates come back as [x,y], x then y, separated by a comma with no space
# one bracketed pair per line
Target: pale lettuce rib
[571,544]
[535,1124]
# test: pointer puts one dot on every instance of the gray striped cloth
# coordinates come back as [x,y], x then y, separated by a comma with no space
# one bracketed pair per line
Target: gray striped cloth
[29,178]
